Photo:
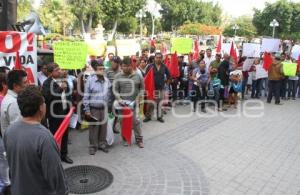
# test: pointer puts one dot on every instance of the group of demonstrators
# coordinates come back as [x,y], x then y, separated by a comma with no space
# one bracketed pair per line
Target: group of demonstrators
[130,89]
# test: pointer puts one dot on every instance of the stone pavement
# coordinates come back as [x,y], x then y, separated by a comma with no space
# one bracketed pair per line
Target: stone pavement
[194,155]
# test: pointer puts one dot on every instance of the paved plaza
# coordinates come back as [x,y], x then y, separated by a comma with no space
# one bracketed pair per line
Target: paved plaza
[194,155]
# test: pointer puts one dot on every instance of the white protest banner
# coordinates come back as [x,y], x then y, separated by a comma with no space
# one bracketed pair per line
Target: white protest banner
[247,64]
[24,43]
[295,52]
[261,72]
[127,47]
[251,50]
[270,45]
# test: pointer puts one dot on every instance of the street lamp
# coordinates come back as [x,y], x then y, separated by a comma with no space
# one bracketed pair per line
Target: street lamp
[235,27]
[141,14]
[274,24]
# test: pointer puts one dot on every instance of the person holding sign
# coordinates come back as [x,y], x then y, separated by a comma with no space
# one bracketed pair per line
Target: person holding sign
[275,76]
[292,86]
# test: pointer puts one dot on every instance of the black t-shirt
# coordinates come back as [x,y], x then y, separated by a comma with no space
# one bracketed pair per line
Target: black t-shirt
[223,73]
[159,75]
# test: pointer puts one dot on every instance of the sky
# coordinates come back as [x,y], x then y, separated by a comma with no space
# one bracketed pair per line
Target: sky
[237,8]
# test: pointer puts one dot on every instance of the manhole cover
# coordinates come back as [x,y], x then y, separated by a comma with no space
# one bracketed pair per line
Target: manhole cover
[86,179]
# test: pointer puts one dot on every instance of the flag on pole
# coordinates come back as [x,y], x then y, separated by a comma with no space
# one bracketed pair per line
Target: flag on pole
[18,65]
[219,46]
[149,84]
[127,124]
[298,62]
[196,50]
[233,53]
[173,66]
[63,127]
[267,61]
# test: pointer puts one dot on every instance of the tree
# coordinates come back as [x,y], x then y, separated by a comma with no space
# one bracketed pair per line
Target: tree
[199,29]
[285,12]
[56,16]
[23,10]
[246,28]
[118,9]
[87,12]
[127,25]
[176,12]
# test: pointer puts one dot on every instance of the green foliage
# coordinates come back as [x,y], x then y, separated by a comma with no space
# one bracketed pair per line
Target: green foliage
[246,28]
[127,25]
[287,13]
[176,12]
[199,29]
[23,10]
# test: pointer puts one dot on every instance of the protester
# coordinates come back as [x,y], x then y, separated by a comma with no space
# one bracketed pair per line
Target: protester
[223,75]
[292,87]
[128,88]
[32,153]
[256,82]
[97,94]
[114,69]
[16,82]
[208,58]
[275,76]
[201,80]
[161,76]
[58,98]
[142,66]
[42,75]
[183,79]
[108,63]
[235,88]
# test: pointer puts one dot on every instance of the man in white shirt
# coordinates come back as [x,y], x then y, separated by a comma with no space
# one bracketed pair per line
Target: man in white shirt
[42,75]
[208,58]
[10,113]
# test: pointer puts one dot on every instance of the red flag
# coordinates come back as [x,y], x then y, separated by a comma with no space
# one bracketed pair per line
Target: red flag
[233,53]
[127,124]
[219,46]
[63,127]
[267,61]
[149,84]
[196,50]
[173,67]
[18,65]
[30,77]
[167,62]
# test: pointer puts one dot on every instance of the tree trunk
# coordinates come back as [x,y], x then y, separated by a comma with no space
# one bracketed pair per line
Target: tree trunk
[114,30]
[153,26]
[82,25]
[89,29]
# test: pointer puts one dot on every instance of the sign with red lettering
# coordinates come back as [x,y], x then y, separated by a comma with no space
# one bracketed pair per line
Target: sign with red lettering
[24,43]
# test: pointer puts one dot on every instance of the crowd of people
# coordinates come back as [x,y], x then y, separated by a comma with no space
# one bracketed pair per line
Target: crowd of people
[30,115]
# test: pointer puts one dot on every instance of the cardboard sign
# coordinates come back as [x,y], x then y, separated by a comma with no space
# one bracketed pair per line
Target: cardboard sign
[270,45]
[261,72]
[24,43]
[295,52]
[247,64]
[251,50]
[289,69]
[127,47]
[70,55]
[181,45]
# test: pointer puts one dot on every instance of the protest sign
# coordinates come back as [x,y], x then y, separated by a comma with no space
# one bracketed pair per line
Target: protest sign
[127,47]
[70,55]
[295,52]
[289,69]
[247,64]
[270,45]
[23,43]
[251,50]
[182,45]
[96,48]
[261,72]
